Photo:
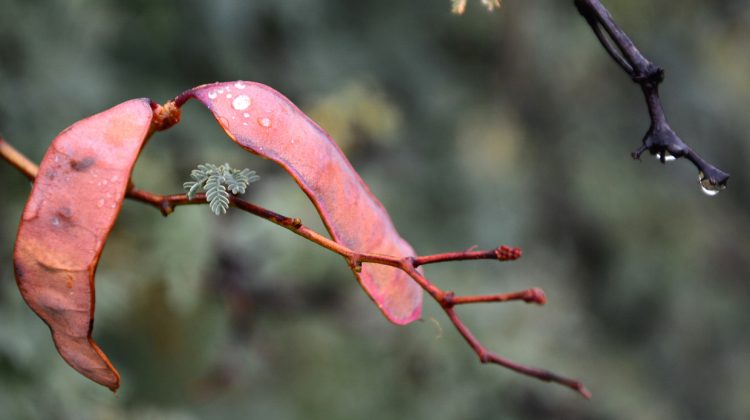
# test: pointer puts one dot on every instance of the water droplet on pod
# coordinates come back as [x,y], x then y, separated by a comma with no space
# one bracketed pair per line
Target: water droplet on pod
[239,85]
[241,102]
[212,95]
[265,122]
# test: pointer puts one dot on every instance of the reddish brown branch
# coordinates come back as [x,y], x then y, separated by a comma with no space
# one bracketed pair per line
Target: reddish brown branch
[502,253]
[533,295]
[489,357]
[447,300]
[18,160]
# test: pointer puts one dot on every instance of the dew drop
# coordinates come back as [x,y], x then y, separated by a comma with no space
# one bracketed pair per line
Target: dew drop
[707,187]
[244,123]
[100,203]
[211,95]
[229,96]
[241,102]
[265,122]
[113,205]
[220,91]
[246,115]
[668,157]
[105,182]
[239,85]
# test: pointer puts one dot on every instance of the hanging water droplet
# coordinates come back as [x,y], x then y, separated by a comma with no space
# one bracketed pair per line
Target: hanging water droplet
[707,187]
[212,95]
[241,102]
[265,122]
[239,85]
[668,157]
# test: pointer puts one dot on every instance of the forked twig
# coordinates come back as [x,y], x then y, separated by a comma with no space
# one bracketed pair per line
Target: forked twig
[446,299]
[660,140]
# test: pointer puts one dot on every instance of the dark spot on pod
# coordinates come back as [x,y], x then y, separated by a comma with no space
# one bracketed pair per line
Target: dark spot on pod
[18,269]
[65,212]
[83,164]
[62,217]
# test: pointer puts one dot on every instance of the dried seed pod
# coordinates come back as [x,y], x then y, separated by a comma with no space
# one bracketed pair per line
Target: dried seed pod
[266,123]
[73,205]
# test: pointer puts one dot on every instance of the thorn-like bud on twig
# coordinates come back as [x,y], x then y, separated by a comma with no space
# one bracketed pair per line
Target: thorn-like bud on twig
[296,222]
[506,253]
[166,208]
[356,264]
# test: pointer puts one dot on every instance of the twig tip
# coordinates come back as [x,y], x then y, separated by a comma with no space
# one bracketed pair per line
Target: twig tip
[506,253]
[536,295]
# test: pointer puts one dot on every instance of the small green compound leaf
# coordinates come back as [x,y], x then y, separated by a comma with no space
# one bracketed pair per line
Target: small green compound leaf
[192,188]
[218,182]
[216,194]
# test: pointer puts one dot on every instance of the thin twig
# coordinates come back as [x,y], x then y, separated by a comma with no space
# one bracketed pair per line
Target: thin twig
[446,299]
[18,160]
[660,139]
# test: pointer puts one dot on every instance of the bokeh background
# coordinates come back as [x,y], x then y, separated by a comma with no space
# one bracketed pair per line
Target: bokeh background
[512,127]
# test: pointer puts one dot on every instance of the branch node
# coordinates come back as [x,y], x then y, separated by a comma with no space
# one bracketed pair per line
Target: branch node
[165,115]
[296,223]
[652,74]
[447,300]
[355,263]
[166,208]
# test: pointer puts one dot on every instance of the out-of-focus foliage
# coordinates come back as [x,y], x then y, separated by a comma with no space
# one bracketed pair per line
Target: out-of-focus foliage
[506,127]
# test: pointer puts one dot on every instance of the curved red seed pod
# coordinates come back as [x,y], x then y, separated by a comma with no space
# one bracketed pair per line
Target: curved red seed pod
[76,197]
[266,123]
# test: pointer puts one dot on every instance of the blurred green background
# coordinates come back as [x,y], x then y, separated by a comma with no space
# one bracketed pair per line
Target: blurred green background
[512,127]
